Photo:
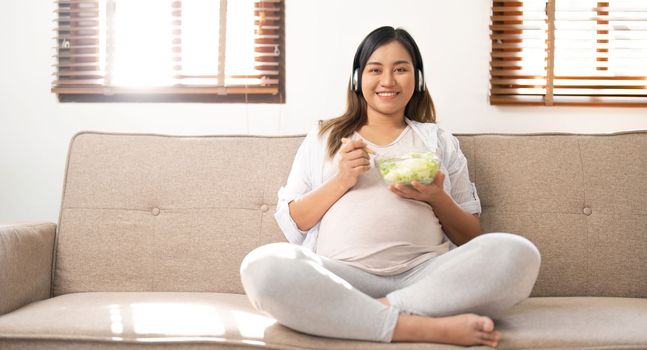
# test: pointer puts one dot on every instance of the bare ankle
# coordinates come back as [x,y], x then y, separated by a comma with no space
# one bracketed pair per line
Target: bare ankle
[384,301]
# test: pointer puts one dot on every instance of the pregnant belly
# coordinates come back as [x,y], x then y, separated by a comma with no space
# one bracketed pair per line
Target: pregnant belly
[375,225]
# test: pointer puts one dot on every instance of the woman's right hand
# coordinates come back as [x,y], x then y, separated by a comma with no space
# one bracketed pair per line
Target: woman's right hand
[353,162]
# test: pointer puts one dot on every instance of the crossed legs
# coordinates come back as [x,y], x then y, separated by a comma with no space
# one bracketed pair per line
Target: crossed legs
[449,299]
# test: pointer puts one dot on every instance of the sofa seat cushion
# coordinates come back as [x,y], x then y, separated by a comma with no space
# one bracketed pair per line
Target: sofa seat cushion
[575,323]
[217,320]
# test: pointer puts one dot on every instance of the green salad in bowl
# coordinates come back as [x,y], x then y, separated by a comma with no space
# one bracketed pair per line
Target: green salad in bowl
[407,167]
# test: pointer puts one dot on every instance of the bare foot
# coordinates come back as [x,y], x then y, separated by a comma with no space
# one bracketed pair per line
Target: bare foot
[464,329]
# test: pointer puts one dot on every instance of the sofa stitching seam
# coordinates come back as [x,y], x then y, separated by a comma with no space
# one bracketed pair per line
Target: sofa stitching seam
[586,221]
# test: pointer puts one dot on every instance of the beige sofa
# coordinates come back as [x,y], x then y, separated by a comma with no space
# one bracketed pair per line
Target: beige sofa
[152,230]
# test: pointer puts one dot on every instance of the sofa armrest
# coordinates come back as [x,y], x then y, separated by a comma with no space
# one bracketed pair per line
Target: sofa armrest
[26,252]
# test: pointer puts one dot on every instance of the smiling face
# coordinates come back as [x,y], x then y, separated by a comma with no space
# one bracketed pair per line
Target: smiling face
[388,81]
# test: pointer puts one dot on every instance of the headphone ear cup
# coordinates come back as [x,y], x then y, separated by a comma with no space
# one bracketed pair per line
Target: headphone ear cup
[353,80]
[421,81]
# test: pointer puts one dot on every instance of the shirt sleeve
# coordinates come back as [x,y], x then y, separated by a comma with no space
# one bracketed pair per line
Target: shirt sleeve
[463,190]
[299,183]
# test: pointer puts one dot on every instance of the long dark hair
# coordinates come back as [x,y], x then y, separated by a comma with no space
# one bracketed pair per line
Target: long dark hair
[420,107]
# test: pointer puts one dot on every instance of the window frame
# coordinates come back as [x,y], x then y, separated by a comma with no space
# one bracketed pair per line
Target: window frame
[71,15]
[507,42]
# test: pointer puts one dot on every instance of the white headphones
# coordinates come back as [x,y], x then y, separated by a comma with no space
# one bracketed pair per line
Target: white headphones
[354,81]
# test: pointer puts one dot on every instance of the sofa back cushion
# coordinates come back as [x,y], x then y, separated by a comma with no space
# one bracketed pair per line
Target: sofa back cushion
[162,213]
[178,213]
[582,199]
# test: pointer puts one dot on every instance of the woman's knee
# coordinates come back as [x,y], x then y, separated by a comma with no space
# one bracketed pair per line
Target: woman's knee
[515,249]
[264,260]
[266,270]
[518,261]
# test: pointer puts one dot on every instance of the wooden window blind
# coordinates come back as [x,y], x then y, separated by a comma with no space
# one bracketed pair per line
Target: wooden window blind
[569,52]
[166,49]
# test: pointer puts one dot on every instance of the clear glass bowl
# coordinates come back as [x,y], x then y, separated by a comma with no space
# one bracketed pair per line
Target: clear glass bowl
[405,168]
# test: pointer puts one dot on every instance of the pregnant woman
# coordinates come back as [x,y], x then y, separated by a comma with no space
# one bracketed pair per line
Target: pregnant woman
[368,261]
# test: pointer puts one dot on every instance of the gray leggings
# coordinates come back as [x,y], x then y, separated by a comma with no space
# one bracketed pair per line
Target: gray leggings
[320,296]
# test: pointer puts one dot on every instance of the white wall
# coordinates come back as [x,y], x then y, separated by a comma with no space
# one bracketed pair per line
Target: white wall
[320,42]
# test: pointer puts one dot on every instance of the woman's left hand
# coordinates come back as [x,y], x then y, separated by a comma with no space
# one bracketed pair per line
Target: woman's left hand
[426,193]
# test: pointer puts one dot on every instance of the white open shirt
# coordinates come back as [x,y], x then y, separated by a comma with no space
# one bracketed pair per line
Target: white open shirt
[308,171]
